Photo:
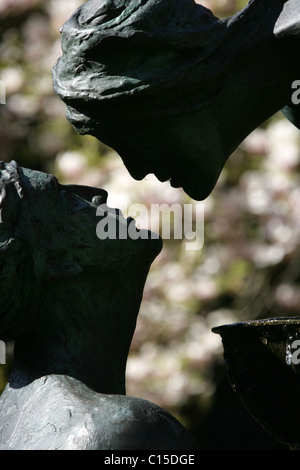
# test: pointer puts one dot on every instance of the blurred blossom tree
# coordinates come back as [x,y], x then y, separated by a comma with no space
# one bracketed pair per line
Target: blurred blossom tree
[248,267]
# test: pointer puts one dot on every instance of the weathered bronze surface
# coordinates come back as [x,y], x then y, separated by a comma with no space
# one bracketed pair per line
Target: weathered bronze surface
[263,360]
[70,302]
[173,89]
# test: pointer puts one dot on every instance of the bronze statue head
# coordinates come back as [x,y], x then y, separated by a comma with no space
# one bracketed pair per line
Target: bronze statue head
[173,89]
[48,233]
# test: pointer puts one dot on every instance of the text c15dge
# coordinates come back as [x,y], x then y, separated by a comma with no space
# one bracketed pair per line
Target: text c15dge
[171,459]
[150,459]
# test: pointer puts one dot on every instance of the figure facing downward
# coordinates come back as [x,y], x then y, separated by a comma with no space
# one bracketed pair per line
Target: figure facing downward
[70,302]
[173,89]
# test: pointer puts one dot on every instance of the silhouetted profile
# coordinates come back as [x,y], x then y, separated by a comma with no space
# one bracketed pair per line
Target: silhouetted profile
[70,301]
[173,89]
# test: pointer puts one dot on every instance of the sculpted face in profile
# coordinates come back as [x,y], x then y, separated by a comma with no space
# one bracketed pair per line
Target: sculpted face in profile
[70,302]
[173,89]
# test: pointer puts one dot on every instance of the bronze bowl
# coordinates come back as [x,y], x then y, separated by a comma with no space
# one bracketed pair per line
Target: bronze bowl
[263,361]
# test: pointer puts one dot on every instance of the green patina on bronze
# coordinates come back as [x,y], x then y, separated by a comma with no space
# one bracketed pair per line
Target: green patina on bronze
[173,89]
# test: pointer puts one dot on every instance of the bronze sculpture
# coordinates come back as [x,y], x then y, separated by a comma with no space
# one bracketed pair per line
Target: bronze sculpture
[173,89]
[184,98]
[70,302]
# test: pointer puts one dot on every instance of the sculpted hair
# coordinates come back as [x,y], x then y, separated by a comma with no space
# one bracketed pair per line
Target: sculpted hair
[30,244]
[145,57]
[16,262]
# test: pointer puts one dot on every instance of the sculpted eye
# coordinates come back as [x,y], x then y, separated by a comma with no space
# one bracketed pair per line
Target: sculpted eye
[107,16]
[74,202]
[103,14]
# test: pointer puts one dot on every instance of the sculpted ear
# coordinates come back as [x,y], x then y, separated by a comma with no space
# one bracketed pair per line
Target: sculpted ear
[63,270]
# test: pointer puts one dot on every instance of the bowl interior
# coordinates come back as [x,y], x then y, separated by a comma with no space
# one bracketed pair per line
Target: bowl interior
[263,361]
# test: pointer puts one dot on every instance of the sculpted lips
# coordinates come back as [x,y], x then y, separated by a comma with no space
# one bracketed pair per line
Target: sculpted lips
[162,177]
[176,182]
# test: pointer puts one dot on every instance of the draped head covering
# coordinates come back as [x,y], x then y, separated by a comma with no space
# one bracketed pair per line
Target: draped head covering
[35,245]
[139,58]
[18,189]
